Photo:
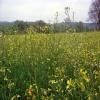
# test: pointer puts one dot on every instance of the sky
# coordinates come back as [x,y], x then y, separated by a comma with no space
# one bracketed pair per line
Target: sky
[32,10]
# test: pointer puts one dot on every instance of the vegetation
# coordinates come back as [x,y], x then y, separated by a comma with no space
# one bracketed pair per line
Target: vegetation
[50,67]
[94,13]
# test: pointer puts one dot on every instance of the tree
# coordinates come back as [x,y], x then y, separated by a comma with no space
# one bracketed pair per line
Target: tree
[21,26]
[67,13]
[94,13]
[56,29]
[40,23]
[80,27]
[68,20]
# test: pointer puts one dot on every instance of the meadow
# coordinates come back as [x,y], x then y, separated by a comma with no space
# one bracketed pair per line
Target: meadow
[50,66]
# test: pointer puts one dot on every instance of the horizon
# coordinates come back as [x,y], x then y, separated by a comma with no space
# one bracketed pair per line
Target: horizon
[30,11]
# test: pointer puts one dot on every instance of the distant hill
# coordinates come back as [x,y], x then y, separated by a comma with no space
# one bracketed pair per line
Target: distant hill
[90,25]
[62,24]
[5,23]
[74,25]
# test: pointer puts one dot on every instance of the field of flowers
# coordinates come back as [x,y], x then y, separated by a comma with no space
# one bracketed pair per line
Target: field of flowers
[50,67]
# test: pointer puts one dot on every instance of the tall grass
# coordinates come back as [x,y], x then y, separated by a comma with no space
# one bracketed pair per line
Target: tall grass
[50,67]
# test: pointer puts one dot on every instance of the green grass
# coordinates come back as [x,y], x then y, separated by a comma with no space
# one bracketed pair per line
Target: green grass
[50,67]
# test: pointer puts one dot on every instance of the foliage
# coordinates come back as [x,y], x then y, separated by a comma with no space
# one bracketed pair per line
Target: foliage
[94,13]
[50,67]
[80,27]
[21,26]
[43,30]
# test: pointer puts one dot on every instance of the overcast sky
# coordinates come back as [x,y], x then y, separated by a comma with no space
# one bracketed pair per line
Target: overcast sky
[31,10]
